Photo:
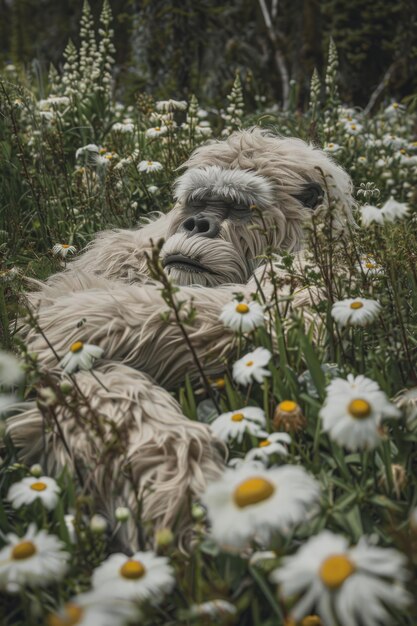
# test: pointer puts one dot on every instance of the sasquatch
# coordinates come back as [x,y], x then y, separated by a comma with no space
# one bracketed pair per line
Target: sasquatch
[237,197]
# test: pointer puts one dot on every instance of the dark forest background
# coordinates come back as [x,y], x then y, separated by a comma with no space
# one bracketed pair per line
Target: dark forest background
[172,48]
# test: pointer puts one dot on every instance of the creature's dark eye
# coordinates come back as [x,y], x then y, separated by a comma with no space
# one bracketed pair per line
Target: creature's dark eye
[310,195]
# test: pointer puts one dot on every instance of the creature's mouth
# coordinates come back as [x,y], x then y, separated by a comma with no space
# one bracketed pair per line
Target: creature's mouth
[182,262]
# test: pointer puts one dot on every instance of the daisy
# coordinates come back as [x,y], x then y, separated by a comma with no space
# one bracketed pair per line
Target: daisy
[353,411]
[346,585]
[11,372]
[80,356]
[242,316]
[273,444]
[62,249]
[36,559]
[393,210]
[369,266]
[252,502]
[353,128]
[355,311]
[157,131]
[288,416]
[91,148]
[251,366]
[371,215]
[332,148]
[233,425]
[141,576]
[32,488]
[149,166]
[93,609]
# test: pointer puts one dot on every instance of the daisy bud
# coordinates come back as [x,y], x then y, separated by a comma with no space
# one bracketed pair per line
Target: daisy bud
[98,524]
[197,512]
[36,470]
[289,417]
[164,537]
[66,387]
[47,397]
[122,514]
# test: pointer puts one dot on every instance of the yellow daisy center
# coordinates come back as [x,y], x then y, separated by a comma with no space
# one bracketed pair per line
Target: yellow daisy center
[330,145]
[65,245]
[370,265]
[39,486]
[353,126]
[253,491]
[263,444]
[132,570]
[335,569]
[249,363]
[395,105]
[311,620]
[72,616]
[242,308]
[219,383]
[288,406]
[237,417]
[356,305]
[150,162]
[23,550]
[77,346]
[359,409]
[157,128]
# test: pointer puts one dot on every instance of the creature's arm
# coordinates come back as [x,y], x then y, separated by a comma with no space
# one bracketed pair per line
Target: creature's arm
[126,321]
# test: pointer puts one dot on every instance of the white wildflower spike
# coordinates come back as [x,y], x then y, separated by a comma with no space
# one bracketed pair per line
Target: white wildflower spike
[234,424]
[37,559]
[353,412]
[142,576]
[242,316]
[346,585]
[167,106]
[355,311]
[252,366]
[32,488]
[80,356]
[250,503]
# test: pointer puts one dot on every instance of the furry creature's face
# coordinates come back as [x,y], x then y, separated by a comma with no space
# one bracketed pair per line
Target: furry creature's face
[242,197]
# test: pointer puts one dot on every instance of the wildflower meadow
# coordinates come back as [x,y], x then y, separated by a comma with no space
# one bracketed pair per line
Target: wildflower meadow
[312,520]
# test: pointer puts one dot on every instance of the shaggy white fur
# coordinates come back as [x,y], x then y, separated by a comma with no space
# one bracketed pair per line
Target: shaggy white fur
[214,242]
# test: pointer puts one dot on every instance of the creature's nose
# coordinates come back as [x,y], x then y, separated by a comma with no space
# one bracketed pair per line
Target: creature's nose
[202,224]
